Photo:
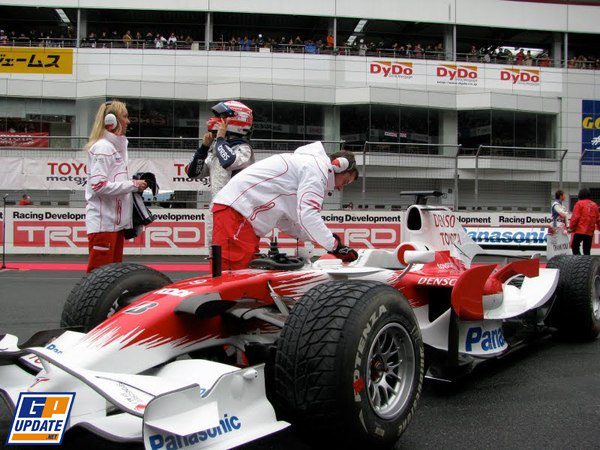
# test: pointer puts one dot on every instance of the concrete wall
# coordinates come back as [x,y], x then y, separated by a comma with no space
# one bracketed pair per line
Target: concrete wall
[496,13]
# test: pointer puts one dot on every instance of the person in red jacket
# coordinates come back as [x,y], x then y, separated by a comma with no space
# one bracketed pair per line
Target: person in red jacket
[583,223]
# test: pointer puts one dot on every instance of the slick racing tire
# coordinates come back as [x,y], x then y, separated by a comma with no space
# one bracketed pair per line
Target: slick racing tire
[107,289]
[576,311]
[349,364]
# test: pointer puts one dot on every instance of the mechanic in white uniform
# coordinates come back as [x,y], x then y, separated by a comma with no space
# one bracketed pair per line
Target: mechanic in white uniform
[225,149]
[286,191]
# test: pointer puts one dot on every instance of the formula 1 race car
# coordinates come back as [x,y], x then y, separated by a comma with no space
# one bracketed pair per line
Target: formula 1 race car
[337,349]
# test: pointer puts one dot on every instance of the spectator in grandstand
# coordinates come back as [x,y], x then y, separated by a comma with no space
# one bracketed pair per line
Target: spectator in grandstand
[418,51]
[473,54]
[310,47]
[543,60]
[92,40]
[528,61]
[172,41]
[127,39]
[25,200]
[3,38]
[330,40]
[103,40]
[520,57]
[284,191]
[109,187]
[159,41]
[225,149]
[584,221]
[362,48]
[582,62]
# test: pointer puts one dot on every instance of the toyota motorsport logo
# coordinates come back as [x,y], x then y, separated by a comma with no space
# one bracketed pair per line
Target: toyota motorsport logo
[392,69]
[530,77]
[457,74]
[40,418]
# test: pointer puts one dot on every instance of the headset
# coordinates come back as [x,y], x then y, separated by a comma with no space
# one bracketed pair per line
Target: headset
[110,122]
[341,164]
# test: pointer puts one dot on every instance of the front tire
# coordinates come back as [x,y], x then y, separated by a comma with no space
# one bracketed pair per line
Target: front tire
[101,293]
[349,363]
[576,312]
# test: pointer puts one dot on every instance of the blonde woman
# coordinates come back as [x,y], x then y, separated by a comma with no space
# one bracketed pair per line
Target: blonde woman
[108,190]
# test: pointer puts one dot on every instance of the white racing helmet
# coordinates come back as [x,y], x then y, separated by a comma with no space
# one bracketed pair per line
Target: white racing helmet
[240,116]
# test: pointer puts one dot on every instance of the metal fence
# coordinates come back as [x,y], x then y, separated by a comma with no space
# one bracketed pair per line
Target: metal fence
[472,179]
[541,60]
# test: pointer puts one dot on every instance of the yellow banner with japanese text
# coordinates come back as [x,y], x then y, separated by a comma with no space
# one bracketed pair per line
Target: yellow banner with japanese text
[46,60]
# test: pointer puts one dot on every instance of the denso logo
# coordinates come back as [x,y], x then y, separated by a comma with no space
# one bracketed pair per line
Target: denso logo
[455,72]
[488,340]
[444,220]
[520,75]
[436,281]
[389,68]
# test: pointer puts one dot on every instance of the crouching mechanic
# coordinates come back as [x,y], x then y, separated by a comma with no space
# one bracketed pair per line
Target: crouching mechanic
[225,148]
[284,191]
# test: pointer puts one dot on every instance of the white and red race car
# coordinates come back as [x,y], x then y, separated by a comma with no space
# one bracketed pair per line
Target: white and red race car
[337,349]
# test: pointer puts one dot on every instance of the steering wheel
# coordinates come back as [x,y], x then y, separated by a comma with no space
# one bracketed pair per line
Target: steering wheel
[281,263]
[275,260]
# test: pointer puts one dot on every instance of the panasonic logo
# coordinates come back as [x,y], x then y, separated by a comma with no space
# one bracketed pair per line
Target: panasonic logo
[488,340]
[173,441]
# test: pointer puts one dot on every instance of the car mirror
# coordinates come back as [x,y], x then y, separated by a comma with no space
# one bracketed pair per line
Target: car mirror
[419,256]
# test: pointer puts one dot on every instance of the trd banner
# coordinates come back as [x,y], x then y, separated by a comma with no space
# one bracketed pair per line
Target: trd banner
[38,140]
[32,230]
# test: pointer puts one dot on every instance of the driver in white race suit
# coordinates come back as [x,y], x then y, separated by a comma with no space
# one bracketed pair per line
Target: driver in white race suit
[225,149]
[284,191]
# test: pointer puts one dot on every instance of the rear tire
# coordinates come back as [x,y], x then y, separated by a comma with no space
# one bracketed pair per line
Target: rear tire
[349,364]
[576,311]
[100,294]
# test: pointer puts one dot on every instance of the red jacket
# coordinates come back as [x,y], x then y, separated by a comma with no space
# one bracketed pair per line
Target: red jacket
[585,218]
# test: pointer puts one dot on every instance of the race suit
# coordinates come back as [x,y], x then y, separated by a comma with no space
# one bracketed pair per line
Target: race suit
[559,214]
[222,160]
[284,191]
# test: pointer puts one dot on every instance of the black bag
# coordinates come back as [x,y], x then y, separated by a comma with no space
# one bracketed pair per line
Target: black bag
[141,215]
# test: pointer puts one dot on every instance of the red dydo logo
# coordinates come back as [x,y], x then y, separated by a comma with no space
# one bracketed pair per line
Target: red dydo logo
[520,75]
[389,68]
[457,72]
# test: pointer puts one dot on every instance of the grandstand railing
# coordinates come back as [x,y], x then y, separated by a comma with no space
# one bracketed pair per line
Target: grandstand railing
[432,151]
[142,44]
[517,154]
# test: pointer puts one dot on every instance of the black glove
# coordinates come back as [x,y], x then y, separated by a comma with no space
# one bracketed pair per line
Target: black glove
[346,254]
